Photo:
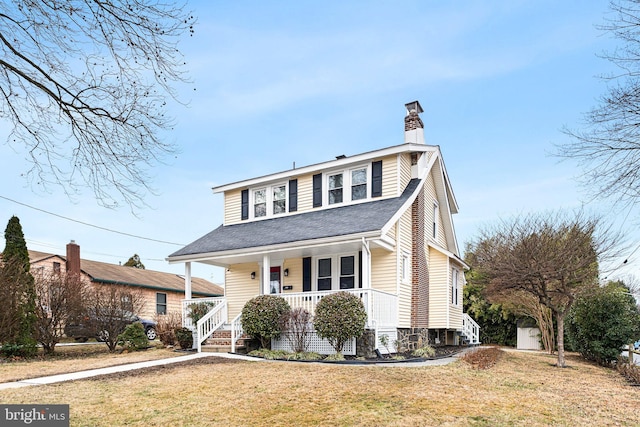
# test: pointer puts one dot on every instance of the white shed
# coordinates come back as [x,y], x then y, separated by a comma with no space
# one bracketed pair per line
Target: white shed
[528,336]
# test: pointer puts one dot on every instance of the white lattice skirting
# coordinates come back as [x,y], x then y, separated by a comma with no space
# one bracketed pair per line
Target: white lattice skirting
[316,344]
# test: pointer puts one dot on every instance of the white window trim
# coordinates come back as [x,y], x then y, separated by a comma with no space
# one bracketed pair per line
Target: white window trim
[335,270]
[269,200]
[346,185]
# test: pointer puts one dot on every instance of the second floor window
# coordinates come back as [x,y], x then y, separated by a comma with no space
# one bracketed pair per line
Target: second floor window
[335,188]
[260,202]
[359,184]
[279,199]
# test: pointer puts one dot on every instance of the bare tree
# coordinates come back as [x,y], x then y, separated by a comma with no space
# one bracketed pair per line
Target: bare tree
[608,147]
[552,257]
[59,299]
[85,85]
[111,308]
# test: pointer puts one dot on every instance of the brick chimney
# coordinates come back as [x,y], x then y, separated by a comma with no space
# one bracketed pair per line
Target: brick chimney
[73,258]
[413,126]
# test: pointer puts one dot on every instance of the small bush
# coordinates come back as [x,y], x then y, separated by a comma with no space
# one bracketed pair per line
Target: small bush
[134,337]
[424,351]
[197,310]
[166,324]
[340,317]
[263,318]
[184,336]
[482,358]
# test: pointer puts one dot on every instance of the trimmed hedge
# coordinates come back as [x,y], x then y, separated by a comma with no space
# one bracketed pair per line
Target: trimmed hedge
[263,318]
[340,317]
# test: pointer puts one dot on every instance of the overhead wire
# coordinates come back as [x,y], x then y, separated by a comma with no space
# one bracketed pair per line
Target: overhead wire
[91,225]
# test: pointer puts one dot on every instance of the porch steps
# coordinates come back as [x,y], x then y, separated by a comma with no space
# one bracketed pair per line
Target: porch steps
[220,342]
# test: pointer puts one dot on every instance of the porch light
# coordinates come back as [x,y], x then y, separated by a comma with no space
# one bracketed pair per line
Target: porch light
[253,275]
[286,272]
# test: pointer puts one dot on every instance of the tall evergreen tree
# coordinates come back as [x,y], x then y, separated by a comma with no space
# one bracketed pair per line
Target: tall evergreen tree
[15,259]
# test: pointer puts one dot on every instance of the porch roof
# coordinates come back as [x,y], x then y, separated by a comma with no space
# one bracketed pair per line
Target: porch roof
[319,224]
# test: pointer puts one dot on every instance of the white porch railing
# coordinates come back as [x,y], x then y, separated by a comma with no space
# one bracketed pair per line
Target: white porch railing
[186,319]
[470,329]
[236,332]
[208,324]
[381,307]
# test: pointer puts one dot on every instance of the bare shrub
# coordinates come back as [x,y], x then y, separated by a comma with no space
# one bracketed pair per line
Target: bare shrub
[59,299]
[166,324]
[629,370]
[298,328]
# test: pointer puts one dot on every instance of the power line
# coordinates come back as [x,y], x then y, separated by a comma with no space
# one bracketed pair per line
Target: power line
[92,225]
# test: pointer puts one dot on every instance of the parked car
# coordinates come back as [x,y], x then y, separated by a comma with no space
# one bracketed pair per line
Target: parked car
[85,327]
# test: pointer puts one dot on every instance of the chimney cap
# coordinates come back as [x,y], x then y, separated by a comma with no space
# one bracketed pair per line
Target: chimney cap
[413,106]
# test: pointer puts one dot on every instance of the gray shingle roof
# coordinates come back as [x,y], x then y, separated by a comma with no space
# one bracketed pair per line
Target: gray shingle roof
[340,221]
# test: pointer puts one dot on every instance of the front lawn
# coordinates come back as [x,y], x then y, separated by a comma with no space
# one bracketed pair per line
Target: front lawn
[519,389]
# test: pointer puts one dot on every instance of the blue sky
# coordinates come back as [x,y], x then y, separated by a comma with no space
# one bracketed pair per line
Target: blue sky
[283,82]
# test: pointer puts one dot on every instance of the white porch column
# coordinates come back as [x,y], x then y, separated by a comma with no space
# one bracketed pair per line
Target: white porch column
[266,275]
[366,265]
[187,280]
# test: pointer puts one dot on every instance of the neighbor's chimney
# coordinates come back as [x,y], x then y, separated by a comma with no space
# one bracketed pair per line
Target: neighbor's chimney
[413,126]
[73,258]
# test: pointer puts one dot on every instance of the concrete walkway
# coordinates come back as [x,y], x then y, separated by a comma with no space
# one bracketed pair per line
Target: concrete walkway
[113,369]
[139,365]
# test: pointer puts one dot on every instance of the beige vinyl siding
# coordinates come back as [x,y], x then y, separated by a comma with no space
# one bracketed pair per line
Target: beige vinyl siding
[232,207]
[404,288]
[438,289]
[295,275]
[240,288]
[438,184]
[390,175]
[405,171]
[384,270]
[305,193]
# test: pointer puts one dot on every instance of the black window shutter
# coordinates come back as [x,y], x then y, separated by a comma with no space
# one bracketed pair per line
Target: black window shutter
[359,269]
[293,195]
[245,204]
[376,179]
[306,274]
[317,190]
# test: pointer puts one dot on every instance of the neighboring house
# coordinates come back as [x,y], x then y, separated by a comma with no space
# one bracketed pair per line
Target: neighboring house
[162,292]
[377,224]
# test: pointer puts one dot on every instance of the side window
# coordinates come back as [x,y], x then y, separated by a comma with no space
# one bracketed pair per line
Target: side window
[161,303]
[454,286]
[404,268]
[435,220]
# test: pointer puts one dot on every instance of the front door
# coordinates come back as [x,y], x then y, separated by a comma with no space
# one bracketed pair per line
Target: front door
[274,280]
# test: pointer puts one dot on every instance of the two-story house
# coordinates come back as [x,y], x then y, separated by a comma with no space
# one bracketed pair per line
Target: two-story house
[377,224]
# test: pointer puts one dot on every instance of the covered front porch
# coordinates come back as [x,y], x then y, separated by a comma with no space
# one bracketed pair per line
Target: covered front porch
[381,308]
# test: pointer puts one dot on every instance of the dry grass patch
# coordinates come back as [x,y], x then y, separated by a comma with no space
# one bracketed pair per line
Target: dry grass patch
[520,389]
[74,359]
